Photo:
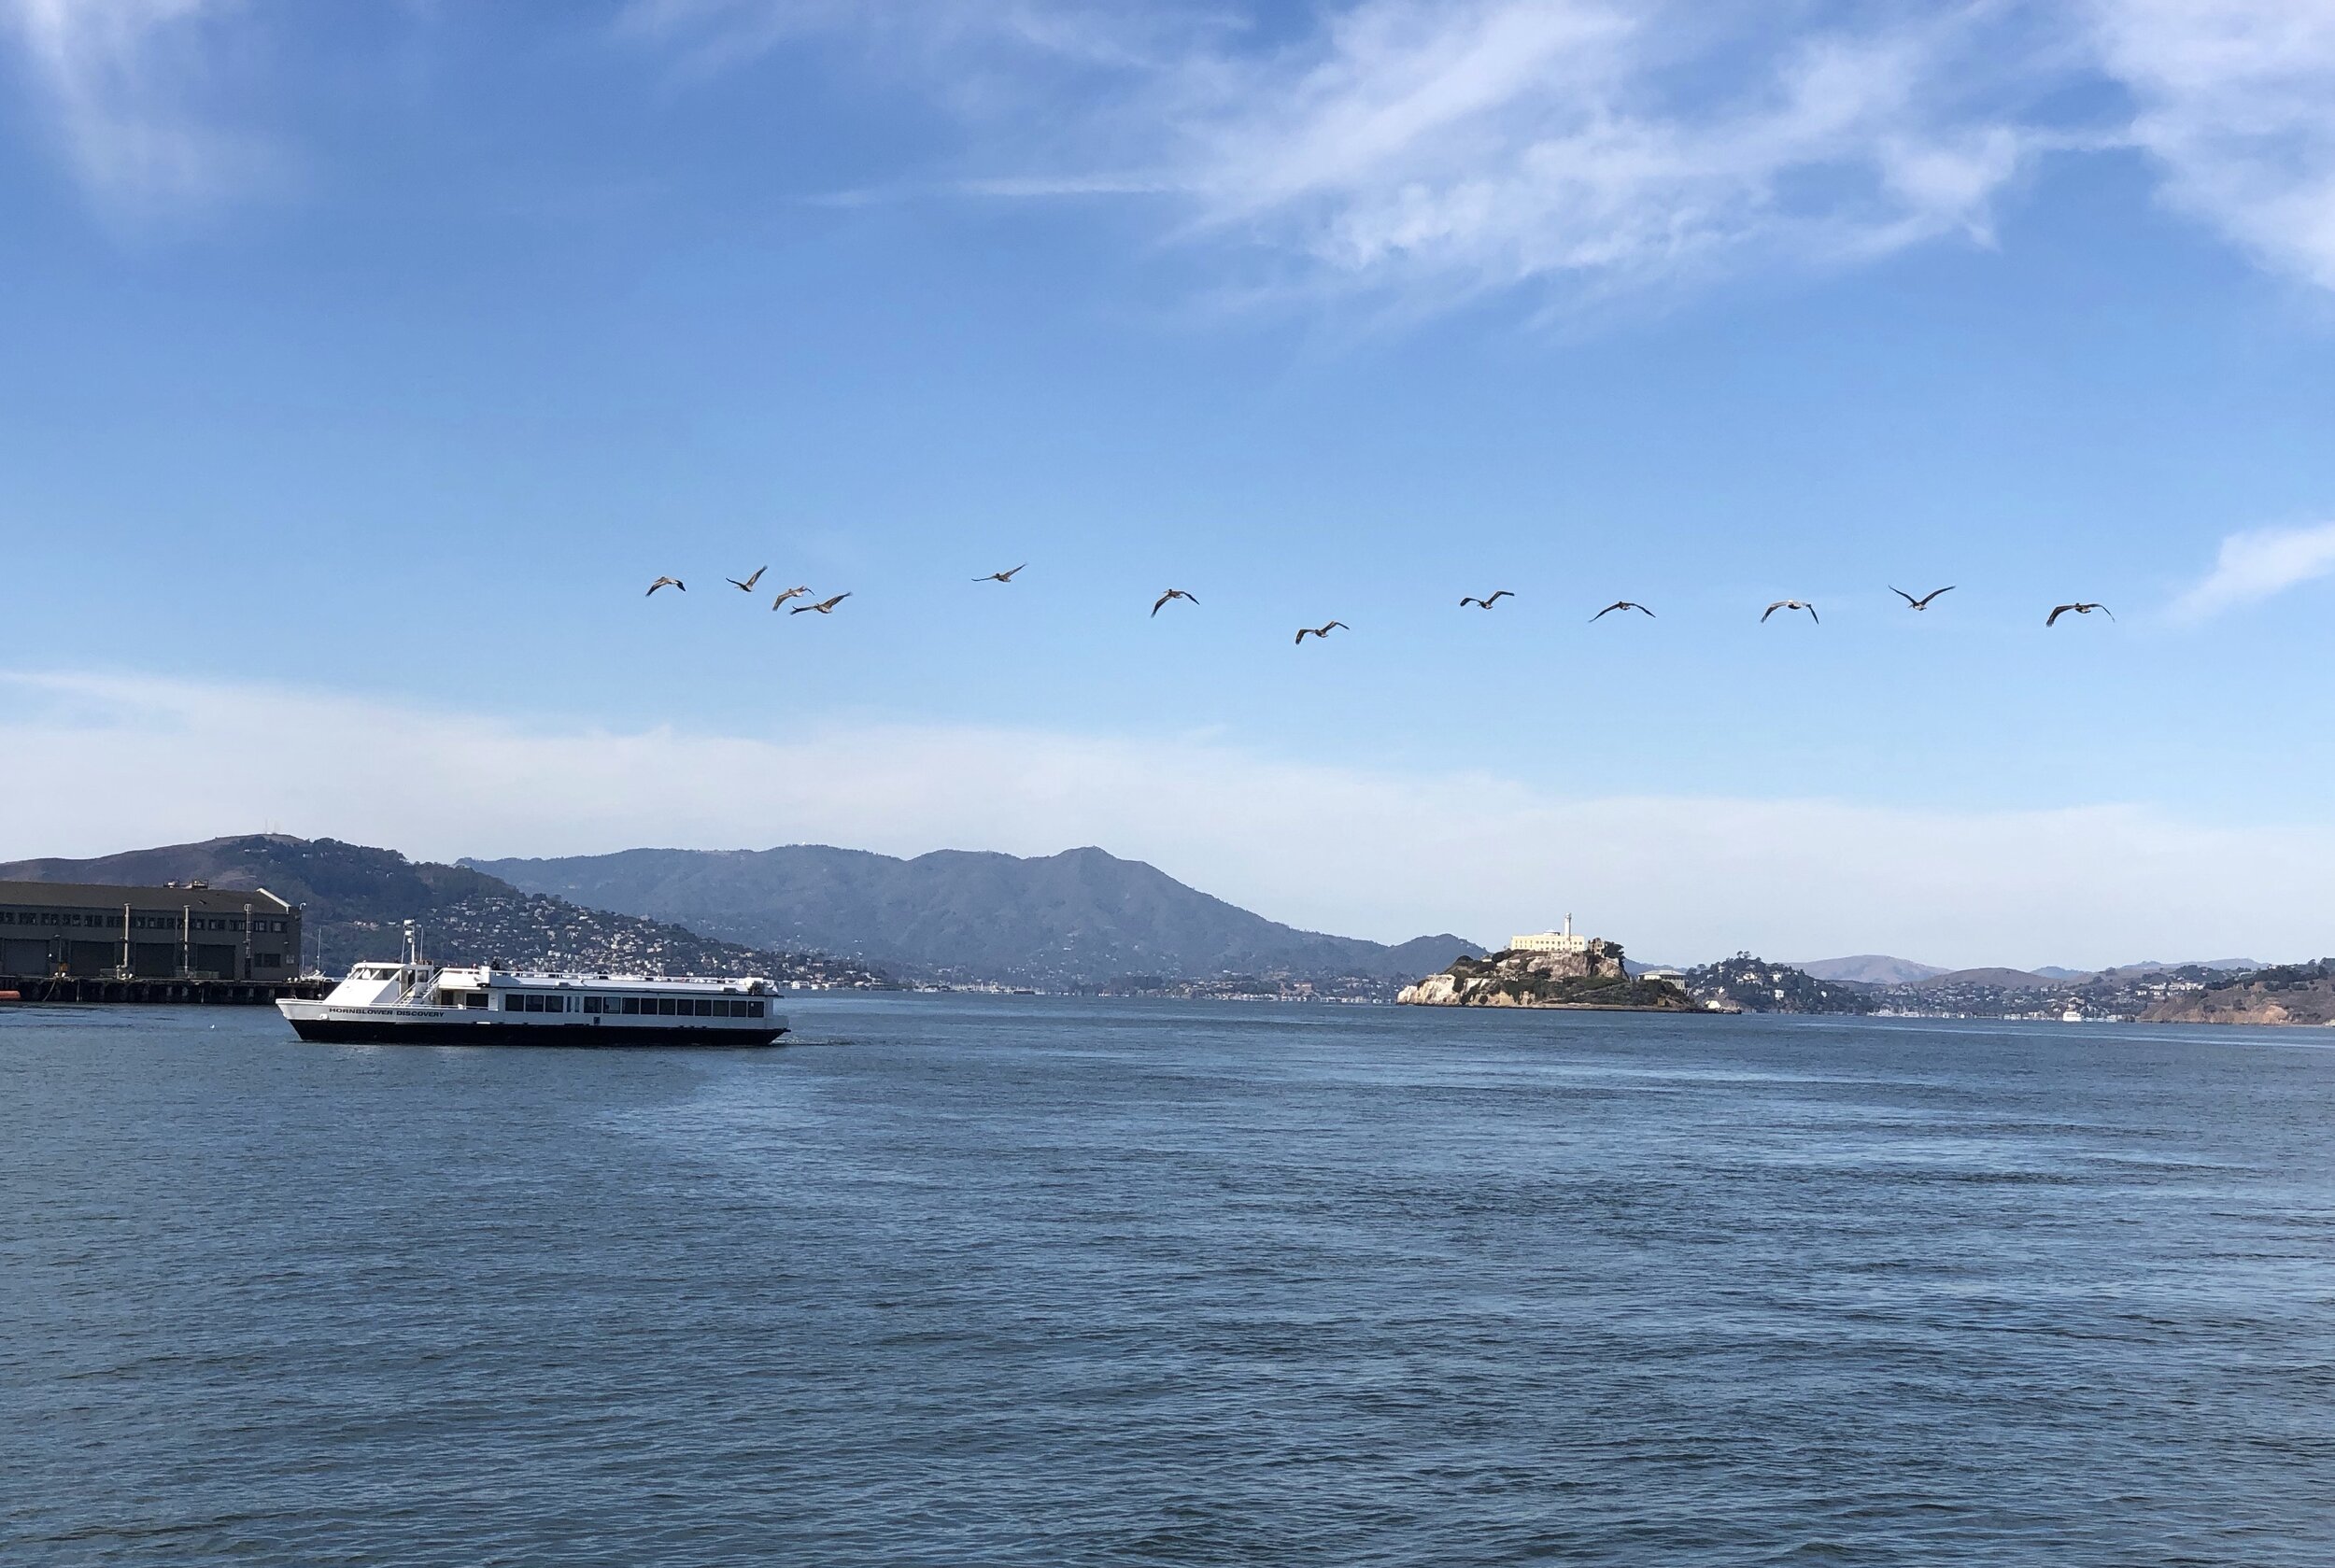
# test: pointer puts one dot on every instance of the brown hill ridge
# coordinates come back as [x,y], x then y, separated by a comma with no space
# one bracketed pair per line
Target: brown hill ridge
[2009,979]
[1594,978]
[2289,993]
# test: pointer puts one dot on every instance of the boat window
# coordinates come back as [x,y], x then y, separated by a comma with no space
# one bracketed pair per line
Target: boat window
[754,1009]
[591,1004]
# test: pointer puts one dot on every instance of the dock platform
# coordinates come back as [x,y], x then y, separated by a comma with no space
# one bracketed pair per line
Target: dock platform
[93,990]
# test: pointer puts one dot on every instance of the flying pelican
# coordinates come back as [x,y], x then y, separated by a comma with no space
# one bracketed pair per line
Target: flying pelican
[795,592]
[1306,632]
[1923,602]
[669,582]
[1000,576]
[1487,603]
[1620,604]
[1792,605]
[825,606]
[1171,593]
[2079,608]
[747,587]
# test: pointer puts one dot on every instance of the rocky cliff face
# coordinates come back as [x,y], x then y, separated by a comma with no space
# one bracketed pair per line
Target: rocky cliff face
[1592,979]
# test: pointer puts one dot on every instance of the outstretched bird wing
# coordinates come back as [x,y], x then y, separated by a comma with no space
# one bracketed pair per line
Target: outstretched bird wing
[2056,610]
[1910,599]
[1607,611]
[747,587]
[1304,632]
[1812,614]
[1934,592]
[1772,608]
[669,582]
[1498,594]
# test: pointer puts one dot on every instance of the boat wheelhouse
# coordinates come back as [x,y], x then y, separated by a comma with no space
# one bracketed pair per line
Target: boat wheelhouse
[423,1003]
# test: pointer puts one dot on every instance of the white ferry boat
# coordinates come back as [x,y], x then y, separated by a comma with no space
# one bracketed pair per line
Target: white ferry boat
[420,1003]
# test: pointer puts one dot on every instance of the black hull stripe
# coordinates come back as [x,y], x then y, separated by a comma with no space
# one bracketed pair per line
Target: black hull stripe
[357,1032]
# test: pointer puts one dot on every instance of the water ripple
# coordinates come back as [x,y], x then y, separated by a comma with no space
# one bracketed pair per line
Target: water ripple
[1012,1281]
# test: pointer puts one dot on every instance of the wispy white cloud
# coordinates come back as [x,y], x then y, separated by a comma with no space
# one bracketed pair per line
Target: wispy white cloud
[122,80]
[1449,148]
[1438,148]
[2257,565]
[1505,141]
[1445,148]
[2235,100]
[1378,853]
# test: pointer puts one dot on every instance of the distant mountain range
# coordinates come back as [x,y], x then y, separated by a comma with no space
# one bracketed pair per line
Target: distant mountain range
[1868,968]
[356,900]
[1079,918]
[1875,968]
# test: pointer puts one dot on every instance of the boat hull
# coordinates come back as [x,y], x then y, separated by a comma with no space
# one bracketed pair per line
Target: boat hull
[489,1031]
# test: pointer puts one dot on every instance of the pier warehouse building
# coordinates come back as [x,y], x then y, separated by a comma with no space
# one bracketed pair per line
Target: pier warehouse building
[157,933]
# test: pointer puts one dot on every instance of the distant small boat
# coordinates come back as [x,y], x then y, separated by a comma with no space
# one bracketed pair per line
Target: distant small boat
[2071,1016]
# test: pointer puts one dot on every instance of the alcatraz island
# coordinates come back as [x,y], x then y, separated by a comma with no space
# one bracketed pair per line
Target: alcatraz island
[1554,969]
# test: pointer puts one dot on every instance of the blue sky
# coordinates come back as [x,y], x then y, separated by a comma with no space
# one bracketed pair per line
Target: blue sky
[362,365]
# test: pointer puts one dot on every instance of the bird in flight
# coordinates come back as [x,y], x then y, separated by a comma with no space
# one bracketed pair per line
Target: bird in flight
[785,594]
[747,587]
[1171,593]
[825,606]
[1793,604]
[1000,576]
[2079,608]
[669,583]
[1625,604]
[1923,602]
[1306,632]
[1487,603]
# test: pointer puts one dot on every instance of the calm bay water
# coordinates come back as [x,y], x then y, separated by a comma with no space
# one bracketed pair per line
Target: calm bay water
[1036,1281]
